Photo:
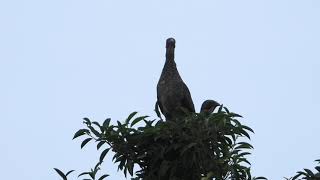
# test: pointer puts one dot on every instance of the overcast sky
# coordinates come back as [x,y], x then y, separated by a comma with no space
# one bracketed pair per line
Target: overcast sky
[62,60]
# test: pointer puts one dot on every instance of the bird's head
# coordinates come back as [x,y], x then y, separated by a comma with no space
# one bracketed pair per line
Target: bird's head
[208,106]
[170,45]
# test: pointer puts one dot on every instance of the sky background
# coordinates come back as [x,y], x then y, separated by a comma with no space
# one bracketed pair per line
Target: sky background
[62,60]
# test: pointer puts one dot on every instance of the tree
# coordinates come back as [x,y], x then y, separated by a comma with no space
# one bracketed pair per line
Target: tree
[197,146]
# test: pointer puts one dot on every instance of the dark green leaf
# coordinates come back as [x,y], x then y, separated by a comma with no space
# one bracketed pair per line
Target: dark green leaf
[103,154]
[135,121]
[64,177]
[244,160]
[84,142]
[302,173]
[187,147]
[104,176]
[260,177]
[235,115]
[87,121]
[84,173]
[92,174]
[244,154]
[130,117]
[80,133]
[69,172]
[317,168]
[309,172]
[106,122]
[129,166]
[247,128]
[100,144]
[97,124]
[95,132]
[296,176]
[243,132]
[244,145]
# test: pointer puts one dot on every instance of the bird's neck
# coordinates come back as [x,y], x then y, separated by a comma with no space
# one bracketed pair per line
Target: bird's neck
[170,64]
[170,69]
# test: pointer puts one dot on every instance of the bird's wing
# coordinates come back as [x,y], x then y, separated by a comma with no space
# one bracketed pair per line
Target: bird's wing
[160,105]
[187,100]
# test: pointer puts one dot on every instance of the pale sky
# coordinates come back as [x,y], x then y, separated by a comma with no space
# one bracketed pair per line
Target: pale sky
[62,60]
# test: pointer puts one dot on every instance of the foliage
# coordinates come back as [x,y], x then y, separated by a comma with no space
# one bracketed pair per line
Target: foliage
[196,146]
[308,174]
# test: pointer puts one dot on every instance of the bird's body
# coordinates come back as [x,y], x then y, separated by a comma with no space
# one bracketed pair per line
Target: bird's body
[172,93]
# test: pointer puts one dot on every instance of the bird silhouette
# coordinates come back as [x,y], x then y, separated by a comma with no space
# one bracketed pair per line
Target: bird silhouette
[173,95]
[208,106]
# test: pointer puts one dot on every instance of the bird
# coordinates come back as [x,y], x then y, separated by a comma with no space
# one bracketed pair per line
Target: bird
[208,106]
[173,95]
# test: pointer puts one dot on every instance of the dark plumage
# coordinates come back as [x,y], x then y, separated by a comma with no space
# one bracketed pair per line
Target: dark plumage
[208,106]
[172,93]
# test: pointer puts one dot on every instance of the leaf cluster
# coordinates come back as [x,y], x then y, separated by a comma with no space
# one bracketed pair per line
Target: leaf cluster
[307,174]
[196,146]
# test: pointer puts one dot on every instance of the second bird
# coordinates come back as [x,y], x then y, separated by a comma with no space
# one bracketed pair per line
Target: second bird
[173,94]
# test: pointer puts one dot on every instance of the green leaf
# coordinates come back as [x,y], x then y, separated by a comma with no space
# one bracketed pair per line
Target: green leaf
[84,142]
[237,122]
[138,119]
[243,132]
[80,133]
[130,117]
[309,172]
[84,173]
[116,156]
[95,132]
[260,177]
[244,154]
[129,166]
[235,115]
[187,147]
[106,122]
[100,144]
[244,160]
[296,176]
[104,176]
[220,108]
[64,177]
[92,174]
[122,164]
[96,168]
[98,125]
[302,173]
[247,128]
[103,154]
[69,172]
[87,121]
[244,145]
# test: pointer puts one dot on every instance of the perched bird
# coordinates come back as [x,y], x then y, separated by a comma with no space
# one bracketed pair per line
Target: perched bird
[173,95]
[208,106]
